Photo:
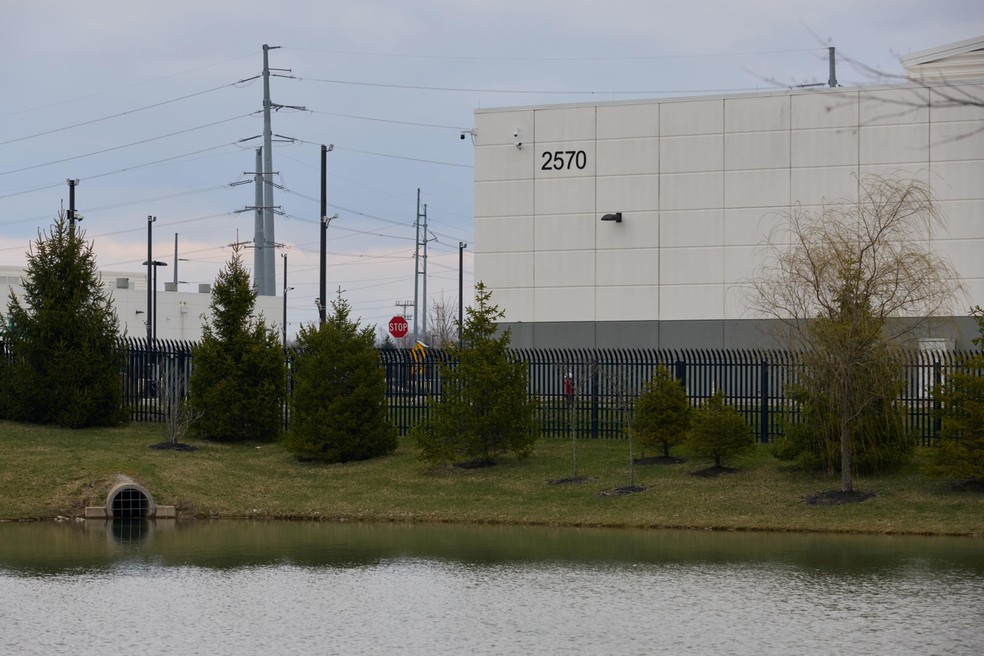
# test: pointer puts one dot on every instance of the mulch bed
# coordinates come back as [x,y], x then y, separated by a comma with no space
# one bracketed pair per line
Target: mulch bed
[475,464]
[569,480]
[660,460]
[837,498]
[622,491]
[969,486]
[714,472]
[167,446]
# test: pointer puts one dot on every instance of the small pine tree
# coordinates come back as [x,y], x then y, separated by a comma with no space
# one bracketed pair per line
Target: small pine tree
[237,381]
[485,408]
[67,360]
[718,431]
[339,411]
[960,453]
[662,413]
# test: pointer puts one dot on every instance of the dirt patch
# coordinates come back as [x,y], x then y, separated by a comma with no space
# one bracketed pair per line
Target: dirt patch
[660,460]
[837,498]
[622,491]
[714,472]
[570,480]
[167,446]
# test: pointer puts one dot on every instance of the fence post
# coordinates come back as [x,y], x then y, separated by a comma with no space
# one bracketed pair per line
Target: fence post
[764,400]
[937,404]
[594,401]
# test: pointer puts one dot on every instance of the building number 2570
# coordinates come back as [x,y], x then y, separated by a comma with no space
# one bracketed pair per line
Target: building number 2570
[560,160]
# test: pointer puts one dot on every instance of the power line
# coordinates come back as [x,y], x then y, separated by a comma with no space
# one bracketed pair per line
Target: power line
[128,145]
[106,118]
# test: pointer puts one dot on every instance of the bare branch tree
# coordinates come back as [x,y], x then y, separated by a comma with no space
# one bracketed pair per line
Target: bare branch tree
[443,323]
[853,282]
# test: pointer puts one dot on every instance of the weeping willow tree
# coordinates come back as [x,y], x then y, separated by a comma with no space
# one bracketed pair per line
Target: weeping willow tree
[854,283]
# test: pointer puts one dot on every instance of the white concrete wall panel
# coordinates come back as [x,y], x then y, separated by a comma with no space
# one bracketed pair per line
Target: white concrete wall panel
[894,107]
[504,198]
[516,303]
[637,230]
[505,234]
[628,156]
[505,269]
[756,188]
[964,255]
[635,303]
[564,124]
[885,144]
[564,268]
[959,140]
[824,109]
[756,150]
[963,219]
[564,232]
[632,121]
[958,180]
[682,266]
[691,228]
[834,147]
[691,302]
[741,264]
[815,186]
[504,162]
[956,102]
[754,225]
[680,117]
[564,304]
[756,114]
[693,153]
[683,191]
[567,195]
[626,193]
[639,266]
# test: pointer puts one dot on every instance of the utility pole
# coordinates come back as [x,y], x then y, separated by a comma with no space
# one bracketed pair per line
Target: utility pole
[72,218]
[150,278]
[403,305]
[420,270]
[284,255]
[325,220]
[259,239]
[269,272]
[832,82]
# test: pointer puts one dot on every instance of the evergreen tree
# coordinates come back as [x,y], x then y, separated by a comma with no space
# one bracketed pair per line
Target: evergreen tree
[63,338]
[961,449]
[339,411]
[485,408]
[718,431]
[237,378]
[662,413]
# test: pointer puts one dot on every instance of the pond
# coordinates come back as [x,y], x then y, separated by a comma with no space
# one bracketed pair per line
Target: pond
[335,588]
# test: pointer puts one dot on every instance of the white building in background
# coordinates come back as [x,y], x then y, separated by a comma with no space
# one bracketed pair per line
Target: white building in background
[692,187]
[180,315]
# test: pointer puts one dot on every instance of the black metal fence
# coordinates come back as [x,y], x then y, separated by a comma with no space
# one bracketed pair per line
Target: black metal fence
[588,391]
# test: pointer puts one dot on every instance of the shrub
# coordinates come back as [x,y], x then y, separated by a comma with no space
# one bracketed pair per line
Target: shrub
[718,431]
[339,409]
[662,413]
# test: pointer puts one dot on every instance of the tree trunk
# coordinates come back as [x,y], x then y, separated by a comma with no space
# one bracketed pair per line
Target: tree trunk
[847,475]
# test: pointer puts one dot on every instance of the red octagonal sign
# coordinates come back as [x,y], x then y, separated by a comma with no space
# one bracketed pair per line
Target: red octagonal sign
[398,327]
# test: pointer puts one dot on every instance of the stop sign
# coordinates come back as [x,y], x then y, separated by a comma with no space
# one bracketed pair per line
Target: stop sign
[398,327]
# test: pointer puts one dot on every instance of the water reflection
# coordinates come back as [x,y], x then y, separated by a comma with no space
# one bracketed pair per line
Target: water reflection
[130,530]
[259,588]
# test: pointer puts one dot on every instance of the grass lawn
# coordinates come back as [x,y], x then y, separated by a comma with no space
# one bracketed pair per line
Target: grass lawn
[46,472]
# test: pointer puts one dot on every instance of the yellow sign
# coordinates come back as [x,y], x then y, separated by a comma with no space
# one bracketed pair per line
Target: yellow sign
[418,353]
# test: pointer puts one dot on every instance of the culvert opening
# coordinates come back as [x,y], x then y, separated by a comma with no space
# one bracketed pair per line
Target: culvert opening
[130,503]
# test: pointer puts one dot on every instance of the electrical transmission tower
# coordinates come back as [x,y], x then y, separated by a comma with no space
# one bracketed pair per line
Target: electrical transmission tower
[420,270]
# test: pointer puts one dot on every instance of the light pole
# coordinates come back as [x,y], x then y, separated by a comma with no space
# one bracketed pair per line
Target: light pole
[461,294]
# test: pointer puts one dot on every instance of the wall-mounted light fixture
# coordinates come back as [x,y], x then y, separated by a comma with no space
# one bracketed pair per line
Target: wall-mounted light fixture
[615,216]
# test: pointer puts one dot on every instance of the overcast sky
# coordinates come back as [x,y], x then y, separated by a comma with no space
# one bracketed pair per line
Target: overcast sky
[390,83]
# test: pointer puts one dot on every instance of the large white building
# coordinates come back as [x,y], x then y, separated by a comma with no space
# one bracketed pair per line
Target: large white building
[698,184]
[180,314]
